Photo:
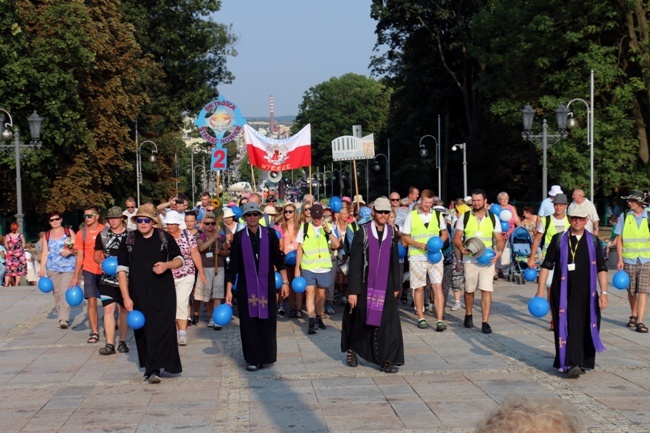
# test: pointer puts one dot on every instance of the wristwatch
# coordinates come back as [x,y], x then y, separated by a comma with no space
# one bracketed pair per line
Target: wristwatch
[285,282]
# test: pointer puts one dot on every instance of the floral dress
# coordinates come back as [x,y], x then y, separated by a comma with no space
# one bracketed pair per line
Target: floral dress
[186,243]
[16,261]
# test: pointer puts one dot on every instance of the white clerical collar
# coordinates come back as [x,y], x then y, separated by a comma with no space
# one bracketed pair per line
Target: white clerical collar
[373,227]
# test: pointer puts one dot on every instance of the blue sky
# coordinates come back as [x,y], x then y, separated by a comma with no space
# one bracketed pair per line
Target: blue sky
[287,46]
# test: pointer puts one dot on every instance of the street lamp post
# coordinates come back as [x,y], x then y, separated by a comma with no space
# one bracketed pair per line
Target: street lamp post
[35,122]
[377,167]
[544,139]
[424,153]
[463,147]
[572,124]
[138,162]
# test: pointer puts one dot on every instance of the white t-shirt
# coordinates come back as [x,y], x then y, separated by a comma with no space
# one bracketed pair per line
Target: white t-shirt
[300,239]
[425,218]
[558,223]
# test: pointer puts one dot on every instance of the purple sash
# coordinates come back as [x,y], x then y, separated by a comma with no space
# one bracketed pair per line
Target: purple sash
[378,267]
[593,278]
[257,283]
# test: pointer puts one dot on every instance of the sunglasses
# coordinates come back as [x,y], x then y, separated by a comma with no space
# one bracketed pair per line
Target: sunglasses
[382,212]
[307,209]
[253,214]
[90,215]
[289,211]
[394,199]
[209,224]
[577,218]
[403,205]
[130,207]
[55,219]
[143,220]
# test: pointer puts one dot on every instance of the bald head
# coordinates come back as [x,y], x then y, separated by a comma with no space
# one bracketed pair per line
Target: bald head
[578,196]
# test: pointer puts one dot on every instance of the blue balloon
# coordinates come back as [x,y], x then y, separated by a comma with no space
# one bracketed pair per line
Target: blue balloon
[237,211]
[401,251]
[278,281]
[278,233]
[538,307]
[486,257]
[109,265]
[222,315]
[530,274]
[135,319]
[74,296]
[290,258]
[496,210]
[299,284]
[335,204]
[434,256]
[435,244]
[621,280]
[505,226]
[45,285]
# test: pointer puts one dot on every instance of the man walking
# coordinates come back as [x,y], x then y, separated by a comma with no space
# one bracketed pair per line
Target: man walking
[483,225]
[84,245]
[548,227]
[419,226]
[255,252]
[107,245]
[371,324]
[593,221]
[633,250]
[130,211]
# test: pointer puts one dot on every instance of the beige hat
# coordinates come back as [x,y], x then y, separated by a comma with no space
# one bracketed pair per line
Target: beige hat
[172,217]
[381,204]
[269,209]
[228,213]
[147,211]
[358,199]
[580,210]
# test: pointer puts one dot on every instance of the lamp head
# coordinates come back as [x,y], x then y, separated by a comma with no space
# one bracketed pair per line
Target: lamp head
[527,117]
[572,123]
[454,148]
[424,152]
[6,134]
[152,158]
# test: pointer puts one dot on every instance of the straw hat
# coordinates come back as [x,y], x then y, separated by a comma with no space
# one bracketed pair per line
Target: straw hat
[148,211]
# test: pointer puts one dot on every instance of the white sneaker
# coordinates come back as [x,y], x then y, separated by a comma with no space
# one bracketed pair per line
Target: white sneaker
[456,306]
[211,324]
[182,340]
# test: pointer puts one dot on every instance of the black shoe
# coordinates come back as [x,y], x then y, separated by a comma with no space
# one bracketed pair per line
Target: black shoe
[387,367]
[574,372]
[351,359]
[468,321]
[217,327]
[313,328]
[319,322]
[486,328]
[195,319]
[109,349]
[122,347]
[292,314]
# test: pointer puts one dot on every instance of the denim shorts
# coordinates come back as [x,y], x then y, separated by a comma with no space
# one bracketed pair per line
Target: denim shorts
[91,285]
[322,280]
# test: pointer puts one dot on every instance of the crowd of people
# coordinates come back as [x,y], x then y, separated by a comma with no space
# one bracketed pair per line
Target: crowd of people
[370,257]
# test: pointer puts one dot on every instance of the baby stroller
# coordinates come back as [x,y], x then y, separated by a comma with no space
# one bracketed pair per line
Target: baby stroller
[520,244]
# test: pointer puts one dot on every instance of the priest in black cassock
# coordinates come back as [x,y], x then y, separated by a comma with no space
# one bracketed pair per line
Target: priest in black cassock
[371,324]
[150,289]
[254,253]
[578,259]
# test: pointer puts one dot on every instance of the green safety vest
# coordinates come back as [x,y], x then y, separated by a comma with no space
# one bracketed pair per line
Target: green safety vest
[315,250]
[486,228]
[552,231]
[420,233]
[636,240]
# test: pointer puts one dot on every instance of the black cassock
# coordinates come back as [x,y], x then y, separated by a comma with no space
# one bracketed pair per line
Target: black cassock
[258,336]
[580,348]
[155,296]
[376,344]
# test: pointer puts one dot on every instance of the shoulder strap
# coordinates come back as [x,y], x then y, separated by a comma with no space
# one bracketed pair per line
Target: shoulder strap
[83,235]
[305,228]
[466,218]
[47,235]
[104,236]
[67,232]
[493,219]
[547,224]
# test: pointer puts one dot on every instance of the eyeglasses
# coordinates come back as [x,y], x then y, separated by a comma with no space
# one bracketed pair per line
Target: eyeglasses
[143,220]
[130,207]
[253,214]
[394,199]
[289,211]
[382,212]
[209,224]
[55,219]
[90,215]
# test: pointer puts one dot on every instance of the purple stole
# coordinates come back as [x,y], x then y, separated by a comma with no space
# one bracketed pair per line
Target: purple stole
[257,281]
[378,267]
[593,278]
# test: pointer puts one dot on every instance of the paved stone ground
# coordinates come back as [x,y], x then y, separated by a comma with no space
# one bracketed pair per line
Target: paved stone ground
[51,380]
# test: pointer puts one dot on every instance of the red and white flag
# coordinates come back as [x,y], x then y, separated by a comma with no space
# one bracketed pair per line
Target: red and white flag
[278,155]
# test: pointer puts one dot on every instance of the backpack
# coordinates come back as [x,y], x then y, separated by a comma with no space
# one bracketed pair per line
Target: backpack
[65,230]
[347,245]
[130,241]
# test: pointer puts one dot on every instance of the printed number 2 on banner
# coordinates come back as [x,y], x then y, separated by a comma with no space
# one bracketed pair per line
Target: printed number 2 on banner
[219,159]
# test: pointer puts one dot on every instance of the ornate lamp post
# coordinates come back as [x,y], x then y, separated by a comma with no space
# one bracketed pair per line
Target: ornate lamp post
[35,122]
[424,153]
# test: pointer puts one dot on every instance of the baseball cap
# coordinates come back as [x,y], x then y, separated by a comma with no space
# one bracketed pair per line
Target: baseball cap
[381,204]
[251,207]
[317,210]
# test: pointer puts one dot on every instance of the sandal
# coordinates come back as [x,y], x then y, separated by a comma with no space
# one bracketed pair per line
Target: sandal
[351,359]
[640,327]
[94,338]
[632,322]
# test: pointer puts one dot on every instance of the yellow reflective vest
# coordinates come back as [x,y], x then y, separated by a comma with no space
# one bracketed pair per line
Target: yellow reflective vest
[315,249]
[635,239]
[420,233]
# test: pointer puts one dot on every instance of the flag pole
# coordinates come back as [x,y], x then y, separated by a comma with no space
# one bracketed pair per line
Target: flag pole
[253,177]
[310,180]
[218,182]
[356,183]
